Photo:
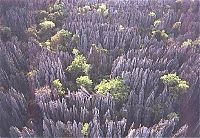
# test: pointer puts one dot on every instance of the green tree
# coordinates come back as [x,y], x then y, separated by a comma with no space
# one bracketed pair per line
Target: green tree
[174,83]
[85,129]
[85,82]
[187,43]
[46,30]
[46,25]
[116,87]
[79,64]
[160,35]
[103,9]
[59,87]
[56,13]
[58,41]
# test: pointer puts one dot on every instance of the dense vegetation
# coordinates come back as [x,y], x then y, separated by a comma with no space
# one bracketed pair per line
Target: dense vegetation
[73,68]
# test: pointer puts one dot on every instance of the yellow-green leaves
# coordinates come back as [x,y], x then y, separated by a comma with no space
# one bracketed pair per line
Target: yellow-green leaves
[85,82]
[116,87]
[47,25]
[156,22]
[187,43]
[84,129]
[152,14]
[58,86]
[173,81]
[79,64]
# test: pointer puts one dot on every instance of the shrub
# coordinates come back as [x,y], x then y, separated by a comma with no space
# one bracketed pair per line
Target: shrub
[186,43]
[85,129]
[59,87]
[60,38]
[152,14]
[45,25]
[79,64]
[160,35]
[172,115]
[103,9]
[170,79]
[31,73]
[116,87]
[84,81]
[46,44]
[182,85]
[56,13]
[196,42]
[176,25]
[46,30]
[173,81]
[156,23]
[57,6]
[84,9]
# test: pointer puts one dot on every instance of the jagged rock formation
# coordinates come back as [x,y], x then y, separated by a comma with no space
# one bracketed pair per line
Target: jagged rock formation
[117,44]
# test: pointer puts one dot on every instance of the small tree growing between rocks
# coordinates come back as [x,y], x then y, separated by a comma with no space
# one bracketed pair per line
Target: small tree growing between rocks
[85,129]
[59,87]
[79,65]
[85,82]
[116,87]
[174,83]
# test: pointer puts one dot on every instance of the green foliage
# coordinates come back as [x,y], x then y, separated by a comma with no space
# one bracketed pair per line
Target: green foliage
[182,85]
[160,35]
[59,87]
[84,9]
[85,129]
[103,9]
[187,43]
[172,115]
[196,42]
[85,82]
[172,80]
[57,6]
[56,13]
[79,64]
[46,44]
[76,52]
[176,25]
[59,40]
[45,25]
[156,22]
[31,73]
[116,87]
[152,14]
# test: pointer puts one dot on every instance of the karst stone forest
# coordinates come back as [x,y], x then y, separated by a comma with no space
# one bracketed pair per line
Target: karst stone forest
[99,68]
